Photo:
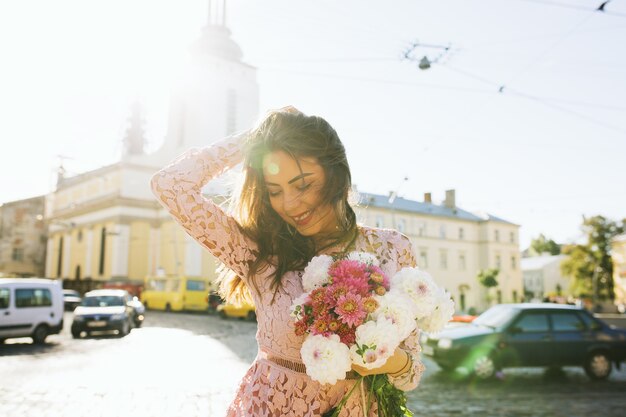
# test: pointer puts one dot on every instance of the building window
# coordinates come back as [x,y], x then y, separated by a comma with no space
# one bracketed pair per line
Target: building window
[498,262]
[380,221]
[512,237]
[423,258]
[401,226]
[513,262]
[515,296]
[443,259]
[499,296]
[421,229]
[103,237]
[60,258]
[442,231]
[79,236]
[462,265]
[18,254]
[461,233]
[496,235]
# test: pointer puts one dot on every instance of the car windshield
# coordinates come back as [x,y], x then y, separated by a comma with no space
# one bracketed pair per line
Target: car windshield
[102,301]
[496,316]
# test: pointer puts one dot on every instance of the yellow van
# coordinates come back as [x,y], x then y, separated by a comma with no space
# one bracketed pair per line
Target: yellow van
[172,293]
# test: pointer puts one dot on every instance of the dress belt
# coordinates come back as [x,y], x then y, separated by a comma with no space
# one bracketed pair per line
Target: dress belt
[296,366]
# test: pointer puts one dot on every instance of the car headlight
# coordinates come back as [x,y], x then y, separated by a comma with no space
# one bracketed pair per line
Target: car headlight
[444,344]
[116,317]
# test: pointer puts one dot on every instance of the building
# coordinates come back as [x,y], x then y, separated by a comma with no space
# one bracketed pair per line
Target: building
[453,245]
[105,225]
[543,278]
[618,255]
[22,238]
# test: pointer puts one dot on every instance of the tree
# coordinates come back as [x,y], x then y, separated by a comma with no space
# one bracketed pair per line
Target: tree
[542,244]
[487,277]
[589,265]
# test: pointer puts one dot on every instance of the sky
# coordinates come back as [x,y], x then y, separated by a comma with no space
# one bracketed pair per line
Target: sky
[522,111]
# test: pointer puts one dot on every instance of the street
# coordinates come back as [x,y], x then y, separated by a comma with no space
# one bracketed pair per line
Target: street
[189,365]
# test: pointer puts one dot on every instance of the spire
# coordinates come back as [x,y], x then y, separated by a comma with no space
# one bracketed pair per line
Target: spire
[215,39]
[217,13]
[134,140]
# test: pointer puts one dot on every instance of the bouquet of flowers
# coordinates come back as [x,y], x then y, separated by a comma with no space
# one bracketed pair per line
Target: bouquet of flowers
[352,313]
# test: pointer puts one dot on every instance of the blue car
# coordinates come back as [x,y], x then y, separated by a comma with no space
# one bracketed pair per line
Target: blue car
[529,335]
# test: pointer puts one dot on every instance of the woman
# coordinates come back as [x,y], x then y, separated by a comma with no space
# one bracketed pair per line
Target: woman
[293,205]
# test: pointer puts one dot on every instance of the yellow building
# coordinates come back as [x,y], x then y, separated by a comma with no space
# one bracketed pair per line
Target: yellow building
[618,255]
[453,245]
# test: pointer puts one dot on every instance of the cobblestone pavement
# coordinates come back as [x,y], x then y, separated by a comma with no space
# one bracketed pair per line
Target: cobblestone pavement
[189,365]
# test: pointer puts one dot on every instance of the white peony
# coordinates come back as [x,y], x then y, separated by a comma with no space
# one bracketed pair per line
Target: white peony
[398,308]
[376,341]
[316,272]
[326,358]
[419,286]
[364,257]
[441,315]
[297,309]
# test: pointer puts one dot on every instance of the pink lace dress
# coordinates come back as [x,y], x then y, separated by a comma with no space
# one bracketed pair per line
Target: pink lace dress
[270,387]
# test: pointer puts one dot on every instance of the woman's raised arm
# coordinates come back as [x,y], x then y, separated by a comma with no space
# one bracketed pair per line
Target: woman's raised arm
[178,187]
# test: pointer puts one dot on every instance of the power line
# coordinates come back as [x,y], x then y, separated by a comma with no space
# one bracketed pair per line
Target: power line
[600,8]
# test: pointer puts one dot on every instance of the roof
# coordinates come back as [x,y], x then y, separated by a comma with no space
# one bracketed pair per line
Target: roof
[118,293]
[537,306]
[402,204]
[538,262]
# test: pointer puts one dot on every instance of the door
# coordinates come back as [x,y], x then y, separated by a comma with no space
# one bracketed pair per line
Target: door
[528,340]
[569,333]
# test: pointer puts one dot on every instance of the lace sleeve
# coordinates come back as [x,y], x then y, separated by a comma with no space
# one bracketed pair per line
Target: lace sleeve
[411,378]
[178,187]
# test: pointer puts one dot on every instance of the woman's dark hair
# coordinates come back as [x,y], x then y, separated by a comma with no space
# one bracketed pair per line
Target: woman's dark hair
[279,245]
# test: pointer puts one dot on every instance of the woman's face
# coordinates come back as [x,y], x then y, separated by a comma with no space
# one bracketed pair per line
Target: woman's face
[295,189]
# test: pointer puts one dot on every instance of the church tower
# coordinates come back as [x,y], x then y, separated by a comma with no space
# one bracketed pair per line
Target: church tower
[217,95]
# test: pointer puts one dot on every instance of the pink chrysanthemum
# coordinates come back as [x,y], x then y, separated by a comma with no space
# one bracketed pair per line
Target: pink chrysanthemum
[350,309]
[336,291]
[345,269]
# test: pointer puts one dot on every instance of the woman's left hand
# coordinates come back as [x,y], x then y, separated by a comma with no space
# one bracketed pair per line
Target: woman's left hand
[394,364]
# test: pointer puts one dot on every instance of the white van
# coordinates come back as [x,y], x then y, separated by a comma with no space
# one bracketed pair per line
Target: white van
[30,307]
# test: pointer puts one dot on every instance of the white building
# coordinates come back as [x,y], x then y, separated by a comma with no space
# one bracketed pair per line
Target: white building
[543,278]
[105,224]
[453,245]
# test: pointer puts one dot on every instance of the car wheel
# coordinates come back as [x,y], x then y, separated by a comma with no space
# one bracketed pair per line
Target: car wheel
[222,314]
[598,366]
[125,330]
[251,316]
[76,334]
[168,307]
[40,334]
[145,304]
[484,367]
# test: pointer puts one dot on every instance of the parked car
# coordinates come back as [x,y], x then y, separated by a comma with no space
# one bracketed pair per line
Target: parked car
[30,307]
[529,335]
[71,299]
[244,311]
[104,310]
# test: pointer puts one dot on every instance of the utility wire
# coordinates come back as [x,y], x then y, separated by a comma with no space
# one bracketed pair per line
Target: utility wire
[542,100]
[600,8]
